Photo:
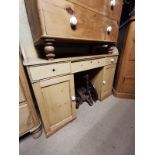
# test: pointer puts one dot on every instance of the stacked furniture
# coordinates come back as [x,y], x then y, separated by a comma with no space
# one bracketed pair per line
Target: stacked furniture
[67,21]
[124,85]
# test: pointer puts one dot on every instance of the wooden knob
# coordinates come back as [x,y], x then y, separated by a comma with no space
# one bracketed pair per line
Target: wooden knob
[49,49]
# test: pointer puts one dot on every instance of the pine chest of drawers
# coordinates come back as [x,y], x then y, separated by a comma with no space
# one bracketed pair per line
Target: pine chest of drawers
[68,20]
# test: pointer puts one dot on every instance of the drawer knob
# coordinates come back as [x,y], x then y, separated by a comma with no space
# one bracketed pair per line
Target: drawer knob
[73,98]
[104,82]
[53,70]
[112,60]
[109,29]
[73,21]
[113,3]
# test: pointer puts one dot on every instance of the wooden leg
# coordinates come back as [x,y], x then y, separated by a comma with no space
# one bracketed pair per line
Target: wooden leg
[37,133]
[49,50]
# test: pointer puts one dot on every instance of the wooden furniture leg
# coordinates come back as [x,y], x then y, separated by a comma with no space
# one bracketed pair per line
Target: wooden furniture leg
[49,50]
[37,132]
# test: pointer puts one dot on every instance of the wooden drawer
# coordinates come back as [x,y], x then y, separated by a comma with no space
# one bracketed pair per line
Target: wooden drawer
[114,12]
[88,64]
[97,5]
[46,71]
[111,60]
[90,26]
[102,6]
[25,119]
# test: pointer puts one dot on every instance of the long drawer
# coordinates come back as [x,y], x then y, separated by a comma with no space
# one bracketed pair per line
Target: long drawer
[46,71]
[103,7]
[87,65]
[90,25]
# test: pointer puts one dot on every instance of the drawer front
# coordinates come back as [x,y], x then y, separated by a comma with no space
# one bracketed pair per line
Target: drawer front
[87,65]
[90,25]
[46,71]
[97,5]
[103,7]
[114,12]
[111,60]
[25,119]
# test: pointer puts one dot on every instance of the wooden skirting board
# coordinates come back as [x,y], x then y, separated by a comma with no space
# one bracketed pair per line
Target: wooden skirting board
[123,95]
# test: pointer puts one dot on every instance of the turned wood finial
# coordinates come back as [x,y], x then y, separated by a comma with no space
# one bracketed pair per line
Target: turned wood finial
[49,50]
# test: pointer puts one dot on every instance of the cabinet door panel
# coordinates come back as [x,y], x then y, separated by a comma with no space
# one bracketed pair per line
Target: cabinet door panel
[25,119]
[28,118]
[21,93]
[54,101]
[108,76]
[60,108]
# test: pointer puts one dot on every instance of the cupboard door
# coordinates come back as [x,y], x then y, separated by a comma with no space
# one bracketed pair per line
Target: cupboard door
[54,98]
[21,93]
[108,76]
[25,119]
[28,118]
